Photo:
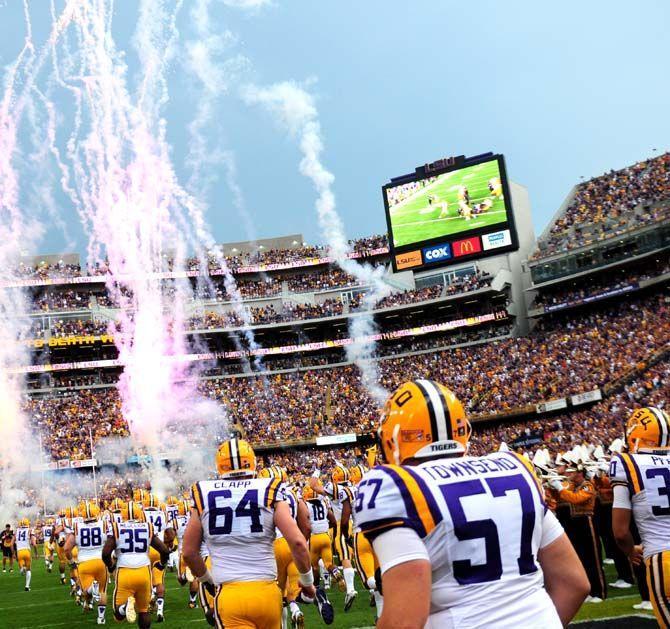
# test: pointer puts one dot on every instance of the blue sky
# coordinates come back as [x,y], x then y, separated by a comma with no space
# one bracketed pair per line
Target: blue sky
[563,90]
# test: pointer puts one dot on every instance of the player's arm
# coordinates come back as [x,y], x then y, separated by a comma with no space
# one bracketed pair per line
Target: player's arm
[332,522]
[564,577]
[304,523]
[406,578]
[163,550]
[621,519]
[191,543]
[169,537]
[316,485]
[107,551]
[70,542]
[298,545]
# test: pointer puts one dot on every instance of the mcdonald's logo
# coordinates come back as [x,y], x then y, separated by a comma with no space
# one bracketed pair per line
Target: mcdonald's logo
[466,247]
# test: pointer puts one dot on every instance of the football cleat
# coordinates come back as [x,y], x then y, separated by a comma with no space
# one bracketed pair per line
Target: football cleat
[192,605]
[349,599]
[298,619]
[646,605]
[101,621]
[27,589]
[131,614]
[373,602]
[339,580]
[324,606]
[160,618]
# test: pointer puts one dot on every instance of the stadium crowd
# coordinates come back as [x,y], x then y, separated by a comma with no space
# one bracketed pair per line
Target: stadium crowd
[591,286]
[604,206]
[563,356]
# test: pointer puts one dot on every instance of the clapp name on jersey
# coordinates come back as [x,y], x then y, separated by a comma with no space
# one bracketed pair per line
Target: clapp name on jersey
[232,483]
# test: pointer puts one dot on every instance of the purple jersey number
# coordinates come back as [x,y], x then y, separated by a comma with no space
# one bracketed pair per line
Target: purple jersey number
[467,573]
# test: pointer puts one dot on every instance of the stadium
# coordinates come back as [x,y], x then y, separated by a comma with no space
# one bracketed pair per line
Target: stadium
[127,368]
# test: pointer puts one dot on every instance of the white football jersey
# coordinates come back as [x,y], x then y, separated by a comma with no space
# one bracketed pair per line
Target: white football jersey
[133,540]
[289,497]
[647,479]
[160,521]
[23,538]
[47,532]
[318,514]
[172,512]
[179,524]
[337,498]
[482,521]
[90,537]
[238,527]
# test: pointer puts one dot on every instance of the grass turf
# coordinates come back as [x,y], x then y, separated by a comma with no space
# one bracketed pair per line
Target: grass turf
[416,220]
[48,604]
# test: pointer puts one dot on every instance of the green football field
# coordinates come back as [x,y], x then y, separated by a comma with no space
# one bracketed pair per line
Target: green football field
[49,605]
[417,219]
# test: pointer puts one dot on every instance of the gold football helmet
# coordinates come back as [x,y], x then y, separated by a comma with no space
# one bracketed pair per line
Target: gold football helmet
[308,493]
[24,522]
[356,473]
[132,511]
[89,510]
[648,428]
[423,419]
[235,458]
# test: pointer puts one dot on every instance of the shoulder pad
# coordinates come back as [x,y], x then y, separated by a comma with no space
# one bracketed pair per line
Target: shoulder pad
[391,496]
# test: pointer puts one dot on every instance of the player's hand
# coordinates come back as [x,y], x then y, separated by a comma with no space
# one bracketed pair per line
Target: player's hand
[308,592]
[635,555]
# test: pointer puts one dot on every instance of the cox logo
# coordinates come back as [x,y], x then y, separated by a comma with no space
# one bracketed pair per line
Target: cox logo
[437,253]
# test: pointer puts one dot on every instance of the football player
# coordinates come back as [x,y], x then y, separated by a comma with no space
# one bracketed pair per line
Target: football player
[322,520]
[236,517]
[23,554]
[89,537]
[130,541]
[365,561]
[184,575]
[495,187]
[155,514]
[336,491]
[461,540]
[47,534]
[7,539]
[641,481]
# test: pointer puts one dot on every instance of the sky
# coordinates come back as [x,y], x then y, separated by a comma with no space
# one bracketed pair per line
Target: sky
[563,90]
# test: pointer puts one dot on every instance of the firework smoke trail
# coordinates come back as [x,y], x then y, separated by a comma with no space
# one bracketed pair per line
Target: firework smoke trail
[295,109]
[215,77]
[17,447]
[137,213]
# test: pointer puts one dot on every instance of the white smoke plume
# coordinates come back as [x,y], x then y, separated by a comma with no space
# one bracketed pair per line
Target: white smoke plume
[296,110]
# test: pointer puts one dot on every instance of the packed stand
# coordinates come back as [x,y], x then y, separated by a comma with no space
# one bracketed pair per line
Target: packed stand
[562,357]
[603,206]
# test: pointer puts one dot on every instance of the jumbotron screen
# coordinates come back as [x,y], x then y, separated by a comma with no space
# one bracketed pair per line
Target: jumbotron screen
[450,215]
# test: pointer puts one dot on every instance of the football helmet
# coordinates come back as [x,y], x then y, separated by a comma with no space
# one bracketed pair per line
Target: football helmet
[423,419]
[89,510]
[172,500]
[308,493]
[648,428]
[235,458]
[116,505]
[356,473]
[71,512]
[139,495]
[183,507]
[150,501]
[340,474]
[132,511]
[24,522]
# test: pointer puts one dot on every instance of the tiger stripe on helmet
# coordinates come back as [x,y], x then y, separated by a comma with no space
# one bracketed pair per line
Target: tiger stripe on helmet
[662,424]
[438,410]
[234,454]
